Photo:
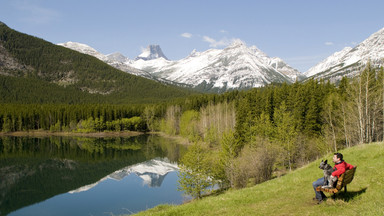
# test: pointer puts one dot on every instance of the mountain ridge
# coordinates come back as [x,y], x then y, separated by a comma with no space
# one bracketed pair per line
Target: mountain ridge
[350,61]
[234,67]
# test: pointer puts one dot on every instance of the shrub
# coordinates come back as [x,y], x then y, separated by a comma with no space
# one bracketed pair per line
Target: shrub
[253,165]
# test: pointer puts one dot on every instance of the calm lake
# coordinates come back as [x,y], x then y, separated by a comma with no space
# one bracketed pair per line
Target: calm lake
[87,176]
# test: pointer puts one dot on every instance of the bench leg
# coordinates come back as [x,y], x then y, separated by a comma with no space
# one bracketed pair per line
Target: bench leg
[345,189]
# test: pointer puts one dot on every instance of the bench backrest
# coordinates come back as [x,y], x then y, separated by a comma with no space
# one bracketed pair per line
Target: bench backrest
[345,178]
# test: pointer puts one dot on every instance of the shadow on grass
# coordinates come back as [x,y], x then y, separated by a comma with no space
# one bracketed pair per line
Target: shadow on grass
[349,195]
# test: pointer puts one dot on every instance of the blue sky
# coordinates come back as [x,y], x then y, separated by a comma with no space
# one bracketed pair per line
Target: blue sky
[301,32]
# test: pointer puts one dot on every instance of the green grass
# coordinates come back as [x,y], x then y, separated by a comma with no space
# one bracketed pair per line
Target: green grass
[292,194]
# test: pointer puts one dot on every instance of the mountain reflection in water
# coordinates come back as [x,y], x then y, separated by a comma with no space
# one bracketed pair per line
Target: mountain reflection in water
[152,172]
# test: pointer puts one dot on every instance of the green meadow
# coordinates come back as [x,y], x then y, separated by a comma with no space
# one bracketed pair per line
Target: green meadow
[292,194]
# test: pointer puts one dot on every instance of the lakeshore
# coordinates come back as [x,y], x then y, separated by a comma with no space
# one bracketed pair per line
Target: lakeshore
[43,133]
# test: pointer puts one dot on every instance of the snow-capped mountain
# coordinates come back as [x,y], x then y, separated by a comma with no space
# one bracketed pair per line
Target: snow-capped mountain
[83,48]
[327,63]
[152,173]
[350,61]
[283,67]
[235,67]
[151,52]
[116,60]
[117,57]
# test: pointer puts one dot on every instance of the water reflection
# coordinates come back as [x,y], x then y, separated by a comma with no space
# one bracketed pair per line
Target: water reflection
[36,169]
[152,173]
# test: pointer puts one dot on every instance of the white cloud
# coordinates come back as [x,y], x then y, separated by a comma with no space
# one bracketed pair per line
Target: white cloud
[223,31]
[186,35]
[219,43]
[328,43]
[35,14]
[209,40]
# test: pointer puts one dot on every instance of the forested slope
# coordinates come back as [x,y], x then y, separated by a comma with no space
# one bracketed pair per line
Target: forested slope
[25,56]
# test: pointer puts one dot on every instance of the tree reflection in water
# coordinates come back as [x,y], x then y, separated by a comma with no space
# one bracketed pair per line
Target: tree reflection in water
[35,169]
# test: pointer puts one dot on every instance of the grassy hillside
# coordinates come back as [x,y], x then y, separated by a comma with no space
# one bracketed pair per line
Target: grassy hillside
[25,56]
[292,194]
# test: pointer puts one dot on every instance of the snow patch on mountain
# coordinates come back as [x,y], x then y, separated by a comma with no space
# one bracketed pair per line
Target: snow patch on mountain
[350,61]
[329,62]
[279,65]
[83,48]
[116,57]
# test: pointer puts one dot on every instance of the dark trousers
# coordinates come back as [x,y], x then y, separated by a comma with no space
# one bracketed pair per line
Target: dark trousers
[319,194]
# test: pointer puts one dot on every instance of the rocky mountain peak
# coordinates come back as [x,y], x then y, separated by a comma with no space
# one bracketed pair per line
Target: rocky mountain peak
[237,43]
[194,53]
[118,57]
[151,52]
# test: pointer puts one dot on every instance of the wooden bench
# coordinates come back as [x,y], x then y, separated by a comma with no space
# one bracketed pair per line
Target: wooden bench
[343,180]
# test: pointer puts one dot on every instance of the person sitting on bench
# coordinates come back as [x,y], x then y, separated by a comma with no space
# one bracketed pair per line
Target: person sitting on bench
[340,167]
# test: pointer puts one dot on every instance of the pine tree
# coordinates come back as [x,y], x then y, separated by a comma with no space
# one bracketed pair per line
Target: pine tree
[262,127]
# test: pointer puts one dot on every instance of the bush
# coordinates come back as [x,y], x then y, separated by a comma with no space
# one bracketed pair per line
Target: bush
[86,126]
[253,165]
[56,127]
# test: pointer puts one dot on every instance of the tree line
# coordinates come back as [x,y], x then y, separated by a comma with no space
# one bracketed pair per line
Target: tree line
[63,117]
[90,117]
